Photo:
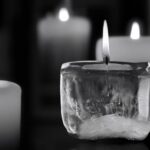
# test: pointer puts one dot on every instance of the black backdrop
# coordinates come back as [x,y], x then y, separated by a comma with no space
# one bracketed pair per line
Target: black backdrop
[19,18]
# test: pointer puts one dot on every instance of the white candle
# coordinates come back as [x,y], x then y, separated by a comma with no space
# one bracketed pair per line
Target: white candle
[63,41]
[10,110]
[123,48]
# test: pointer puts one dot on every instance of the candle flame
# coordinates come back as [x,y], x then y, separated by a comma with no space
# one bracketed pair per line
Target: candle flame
[63,15]
[135,31]
[105,43]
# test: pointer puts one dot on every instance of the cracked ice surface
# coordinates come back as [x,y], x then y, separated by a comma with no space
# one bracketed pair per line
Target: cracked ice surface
[99,101]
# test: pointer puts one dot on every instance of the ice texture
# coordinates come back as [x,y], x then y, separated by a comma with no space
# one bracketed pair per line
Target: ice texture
[105,101]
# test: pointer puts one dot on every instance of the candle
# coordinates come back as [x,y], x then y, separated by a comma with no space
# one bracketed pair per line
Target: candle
[10,111]
[105,99]
[126,49]
[62,39]
[96,99]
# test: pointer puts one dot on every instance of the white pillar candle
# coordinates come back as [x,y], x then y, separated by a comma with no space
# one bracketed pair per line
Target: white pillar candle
[10,110]
[63,41]
[131,48]
[126,49]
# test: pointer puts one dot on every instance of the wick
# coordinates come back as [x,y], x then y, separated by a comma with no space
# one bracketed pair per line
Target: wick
[106,60]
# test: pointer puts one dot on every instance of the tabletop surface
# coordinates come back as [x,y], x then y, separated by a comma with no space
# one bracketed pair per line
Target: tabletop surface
[55,137]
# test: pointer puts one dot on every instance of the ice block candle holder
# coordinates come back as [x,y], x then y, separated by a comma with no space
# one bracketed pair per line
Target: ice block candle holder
[105,101]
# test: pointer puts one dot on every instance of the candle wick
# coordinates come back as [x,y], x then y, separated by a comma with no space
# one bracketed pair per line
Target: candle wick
[106,60]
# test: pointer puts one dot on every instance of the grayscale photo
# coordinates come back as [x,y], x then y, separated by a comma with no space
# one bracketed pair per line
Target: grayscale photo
[74,74]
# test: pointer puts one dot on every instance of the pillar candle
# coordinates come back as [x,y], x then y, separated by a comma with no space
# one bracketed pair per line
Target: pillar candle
[10,110]
[63,41]
[122,48]
[127,49]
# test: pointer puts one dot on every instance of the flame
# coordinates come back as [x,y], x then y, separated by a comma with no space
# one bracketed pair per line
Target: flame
[105,41]
[63,15]
[135,31]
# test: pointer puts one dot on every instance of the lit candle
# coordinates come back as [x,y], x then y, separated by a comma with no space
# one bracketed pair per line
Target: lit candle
[105,99]
[127,49]
[63,38]
[63,15]
[10,113]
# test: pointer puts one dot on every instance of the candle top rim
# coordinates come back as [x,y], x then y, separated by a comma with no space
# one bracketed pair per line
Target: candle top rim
[99,65]
[110,66]
[5,84]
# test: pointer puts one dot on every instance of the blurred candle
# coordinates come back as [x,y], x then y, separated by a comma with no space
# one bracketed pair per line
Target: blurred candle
[10,110]
[127,49]
[63,14]
[135,31]
[62,41]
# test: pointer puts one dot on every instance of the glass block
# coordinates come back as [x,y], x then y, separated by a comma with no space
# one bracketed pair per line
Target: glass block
[105,101]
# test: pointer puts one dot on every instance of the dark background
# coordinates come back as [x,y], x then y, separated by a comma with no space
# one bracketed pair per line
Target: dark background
[23,60]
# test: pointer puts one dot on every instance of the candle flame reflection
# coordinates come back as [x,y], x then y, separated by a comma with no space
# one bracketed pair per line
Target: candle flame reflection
[105,43]
[135,31]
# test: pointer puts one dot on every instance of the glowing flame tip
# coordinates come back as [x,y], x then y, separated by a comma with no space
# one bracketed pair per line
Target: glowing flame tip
[135,31]
[63,15]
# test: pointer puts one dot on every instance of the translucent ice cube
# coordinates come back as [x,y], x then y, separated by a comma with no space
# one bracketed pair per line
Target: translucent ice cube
[102,101]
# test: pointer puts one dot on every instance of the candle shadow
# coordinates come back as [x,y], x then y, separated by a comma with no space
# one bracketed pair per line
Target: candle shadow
[110,145]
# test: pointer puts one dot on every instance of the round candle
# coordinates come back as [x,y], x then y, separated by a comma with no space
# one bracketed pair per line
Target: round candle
[125,49]
[62,41]
[10,110]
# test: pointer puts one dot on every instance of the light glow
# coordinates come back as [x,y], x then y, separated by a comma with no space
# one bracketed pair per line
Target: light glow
[135,31]
[63,15]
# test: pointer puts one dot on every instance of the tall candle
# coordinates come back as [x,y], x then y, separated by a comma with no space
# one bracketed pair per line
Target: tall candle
[63,41]
[10,110]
